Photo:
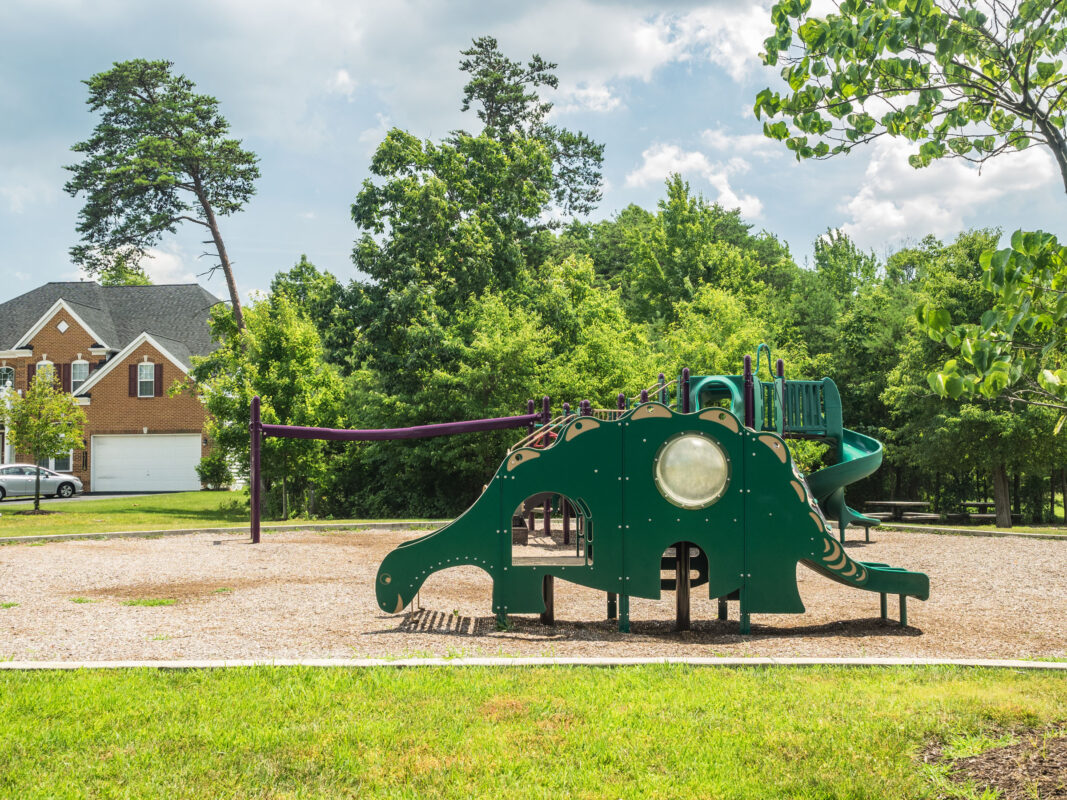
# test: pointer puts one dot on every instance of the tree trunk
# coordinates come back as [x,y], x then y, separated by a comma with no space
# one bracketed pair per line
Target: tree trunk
[1016,495]
[1063,491]
[224,259]
[37,486]
[1001,496]
[1052,496]
[285,500]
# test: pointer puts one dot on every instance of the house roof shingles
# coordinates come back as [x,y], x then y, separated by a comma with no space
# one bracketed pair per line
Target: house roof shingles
[176,314]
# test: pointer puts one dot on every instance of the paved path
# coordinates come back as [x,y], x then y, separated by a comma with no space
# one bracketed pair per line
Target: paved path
[351,663]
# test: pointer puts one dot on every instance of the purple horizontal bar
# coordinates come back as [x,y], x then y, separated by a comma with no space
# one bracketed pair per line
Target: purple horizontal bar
[384,434]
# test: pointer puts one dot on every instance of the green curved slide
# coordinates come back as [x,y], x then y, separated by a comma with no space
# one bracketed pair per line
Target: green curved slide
[860,456]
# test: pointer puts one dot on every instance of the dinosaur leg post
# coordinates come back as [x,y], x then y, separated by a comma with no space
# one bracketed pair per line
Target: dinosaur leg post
[566,522]
[624,613]
[681,579]
[548,589]
[723,610]
[613,609]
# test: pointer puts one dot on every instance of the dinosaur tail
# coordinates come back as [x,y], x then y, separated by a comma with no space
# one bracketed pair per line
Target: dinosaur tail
[834,563]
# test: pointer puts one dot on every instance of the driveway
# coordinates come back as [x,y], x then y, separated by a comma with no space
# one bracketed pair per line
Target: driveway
[78,498]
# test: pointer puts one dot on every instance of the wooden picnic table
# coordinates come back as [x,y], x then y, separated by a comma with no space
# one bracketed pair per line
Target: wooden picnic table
[897,506]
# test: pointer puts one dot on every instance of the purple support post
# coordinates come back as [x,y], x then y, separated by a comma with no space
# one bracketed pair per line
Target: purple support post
[683,390]
[546,410]
[530,405]
[620,401]
[566,410]
[584,409]
[644,396]
[781,368]
[663,388]
[255,487]
[750,395]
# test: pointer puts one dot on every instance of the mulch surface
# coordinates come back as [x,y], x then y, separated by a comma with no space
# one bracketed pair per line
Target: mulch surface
[306,594]
[1033,768]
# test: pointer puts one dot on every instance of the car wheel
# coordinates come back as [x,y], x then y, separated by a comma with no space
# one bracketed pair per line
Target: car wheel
[3,494]
[65,490]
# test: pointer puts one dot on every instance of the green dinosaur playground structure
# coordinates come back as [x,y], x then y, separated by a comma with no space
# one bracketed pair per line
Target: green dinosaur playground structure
[702,491]
[661,496]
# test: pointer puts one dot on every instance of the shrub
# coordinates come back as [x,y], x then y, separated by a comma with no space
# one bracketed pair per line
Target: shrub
[214,471]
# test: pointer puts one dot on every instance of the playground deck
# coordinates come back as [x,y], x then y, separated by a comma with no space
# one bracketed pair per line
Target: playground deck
[306,594]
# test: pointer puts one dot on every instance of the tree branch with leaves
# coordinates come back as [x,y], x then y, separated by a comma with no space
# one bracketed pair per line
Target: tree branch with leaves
[960,78]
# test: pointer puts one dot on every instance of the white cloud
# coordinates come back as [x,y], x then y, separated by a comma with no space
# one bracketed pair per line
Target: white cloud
[168,264]
[370,138]
[597,98]
[755,144]
[661,160]
[895,200]
[26,189]
[342,83]
[729,35]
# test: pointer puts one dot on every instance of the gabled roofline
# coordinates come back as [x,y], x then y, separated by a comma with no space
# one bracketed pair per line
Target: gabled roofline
[143,338]
[59,305]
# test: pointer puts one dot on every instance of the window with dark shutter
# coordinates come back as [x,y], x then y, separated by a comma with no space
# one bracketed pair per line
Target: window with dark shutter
[146,379]
[31,370]
[133,380]
[64,370]
[159,380]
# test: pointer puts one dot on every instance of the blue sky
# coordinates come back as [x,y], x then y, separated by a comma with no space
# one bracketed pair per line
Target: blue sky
[312,86]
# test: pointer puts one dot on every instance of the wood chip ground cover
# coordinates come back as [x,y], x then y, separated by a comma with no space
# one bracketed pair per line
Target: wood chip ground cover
[308,594]
[1033,767]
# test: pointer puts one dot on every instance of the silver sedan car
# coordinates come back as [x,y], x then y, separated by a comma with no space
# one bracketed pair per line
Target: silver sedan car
[18,480]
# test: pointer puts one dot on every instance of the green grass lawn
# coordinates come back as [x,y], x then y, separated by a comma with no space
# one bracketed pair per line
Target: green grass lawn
[1058,530]
[147,513]
[634,732]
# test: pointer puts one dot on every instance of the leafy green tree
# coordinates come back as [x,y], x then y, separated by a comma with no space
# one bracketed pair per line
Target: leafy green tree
[960,78]
[319,295]
[444,222]
[120,273]
[278,356]
[942,437]
[449,221]
[1016,350]
[505,95]
[608,243]
[159,156]
[842,265]
[692,242]
[44,422]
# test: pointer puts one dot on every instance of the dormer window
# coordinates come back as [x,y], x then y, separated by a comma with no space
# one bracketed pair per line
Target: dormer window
[146,379]
[79,374]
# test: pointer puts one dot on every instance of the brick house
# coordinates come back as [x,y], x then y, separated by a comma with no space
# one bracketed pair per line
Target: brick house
[117,349]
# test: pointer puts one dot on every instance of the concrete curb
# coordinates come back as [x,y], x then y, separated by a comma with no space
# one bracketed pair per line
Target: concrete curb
[896,526]
[311,526]
[361,663]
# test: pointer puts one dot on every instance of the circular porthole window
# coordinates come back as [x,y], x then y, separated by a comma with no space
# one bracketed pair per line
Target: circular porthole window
[691,470]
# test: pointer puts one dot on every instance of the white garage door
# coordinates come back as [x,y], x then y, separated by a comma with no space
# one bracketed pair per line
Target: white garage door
[150,463]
